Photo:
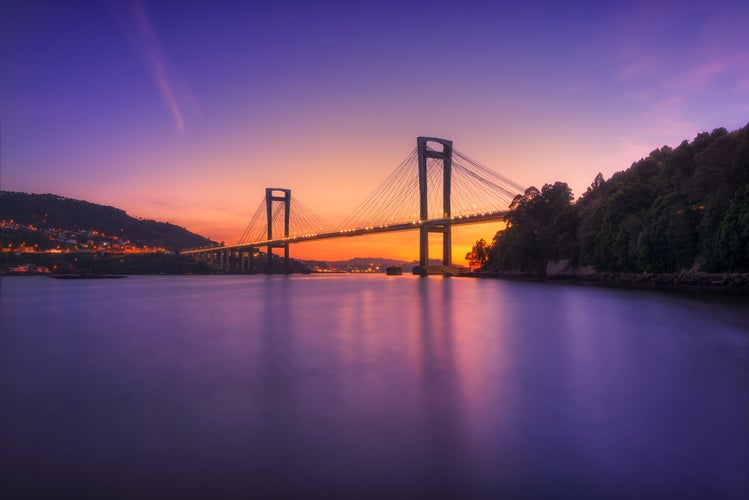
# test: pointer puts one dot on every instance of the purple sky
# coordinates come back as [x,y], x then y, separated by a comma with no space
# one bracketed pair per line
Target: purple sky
[186,111]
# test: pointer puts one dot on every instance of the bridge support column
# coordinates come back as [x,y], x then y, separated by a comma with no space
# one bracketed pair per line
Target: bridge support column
[446,155]
[286,199]
[244,260]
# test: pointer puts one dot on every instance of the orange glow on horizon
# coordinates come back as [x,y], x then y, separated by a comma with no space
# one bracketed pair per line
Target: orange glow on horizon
[401,245]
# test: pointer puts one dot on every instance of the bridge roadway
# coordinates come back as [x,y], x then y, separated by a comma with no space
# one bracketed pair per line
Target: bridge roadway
[344,233]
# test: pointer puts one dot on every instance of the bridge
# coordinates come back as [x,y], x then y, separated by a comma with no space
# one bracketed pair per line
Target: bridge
[435,188]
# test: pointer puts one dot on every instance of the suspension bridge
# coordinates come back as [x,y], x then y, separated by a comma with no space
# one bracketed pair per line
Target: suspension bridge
[433,189]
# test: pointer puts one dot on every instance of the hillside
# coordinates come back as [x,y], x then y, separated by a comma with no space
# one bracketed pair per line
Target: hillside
[52,212]
[678,209]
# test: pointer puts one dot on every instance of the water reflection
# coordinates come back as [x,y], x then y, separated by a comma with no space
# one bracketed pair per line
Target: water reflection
[380,387]
[441,404]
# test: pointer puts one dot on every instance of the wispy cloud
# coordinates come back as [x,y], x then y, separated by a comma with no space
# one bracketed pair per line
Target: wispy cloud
[166,77]
[681,67]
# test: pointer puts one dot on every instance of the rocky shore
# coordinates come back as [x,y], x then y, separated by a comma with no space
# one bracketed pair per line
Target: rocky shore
[696,281]
[734,283]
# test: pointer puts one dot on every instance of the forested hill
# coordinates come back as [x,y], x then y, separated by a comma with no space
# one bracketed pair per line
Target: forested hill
[683,208]
[56,212]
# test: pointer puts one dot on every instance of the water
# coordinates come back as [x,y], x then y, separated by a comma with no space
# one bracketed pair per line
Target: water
[369,387]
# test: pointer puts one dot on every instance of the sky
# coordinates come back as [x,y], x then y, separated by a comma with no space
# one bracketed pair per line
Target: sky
[186,111]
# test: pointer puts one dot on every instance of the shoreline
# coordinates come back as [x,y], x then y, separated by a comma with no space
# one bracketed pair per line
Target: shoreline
[701,282]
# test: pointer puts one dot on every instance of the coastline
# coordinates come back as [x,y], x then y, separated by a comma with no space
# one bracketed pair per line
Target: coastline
[692,281]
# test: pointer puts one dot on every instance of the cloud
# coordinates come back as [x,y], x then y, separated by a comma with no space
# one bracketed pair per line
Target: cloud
[166,77]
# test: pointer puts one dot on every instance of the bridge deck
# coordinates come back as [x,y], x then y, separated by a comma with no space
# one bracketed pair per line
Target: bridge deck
[347,233]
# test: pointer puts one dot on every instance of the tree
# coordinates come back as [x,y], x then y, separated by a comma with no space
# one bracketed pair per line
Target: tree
[732,242]
[479,255]
[540,226]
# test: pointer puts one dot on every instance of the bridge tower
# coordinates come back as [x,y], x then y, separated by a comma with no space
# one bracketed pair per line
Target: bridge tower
[443,226]
[285,197]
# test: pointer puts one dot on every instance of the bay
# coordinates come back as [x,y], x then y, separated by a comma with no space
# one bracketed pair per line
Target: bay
[369,387]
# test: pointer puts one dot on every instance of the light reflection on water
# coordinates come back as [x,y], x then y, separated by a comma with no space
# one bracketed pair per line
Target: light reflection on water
[369,386]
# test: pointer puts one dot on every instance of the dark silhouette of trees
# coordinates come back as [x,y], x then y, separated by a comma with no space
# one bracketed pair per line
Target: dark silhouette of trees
[732,238]
[479,254]
[539,227]
[677,209]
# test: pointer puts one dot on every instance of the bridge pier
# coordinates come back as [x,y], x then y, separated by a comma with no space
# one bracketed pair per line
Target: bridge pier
[445,228]
[232,262]
[286,199]
[229,260]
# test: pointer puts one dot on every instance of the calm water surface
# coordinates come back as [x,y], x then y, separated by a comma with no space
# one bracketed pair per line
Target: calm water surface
[369,387]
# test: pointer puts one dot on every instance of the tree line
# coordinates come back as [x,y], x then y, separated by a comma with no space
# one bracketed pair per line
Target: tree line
[683,208]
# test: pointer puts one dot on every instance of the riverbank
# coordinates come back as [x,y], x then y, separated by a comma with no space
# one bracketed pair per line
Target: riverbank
[733,283]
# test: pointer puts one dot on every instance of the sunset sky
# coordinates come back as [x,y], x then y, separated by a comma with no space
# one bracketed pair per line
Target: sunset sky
[186,111]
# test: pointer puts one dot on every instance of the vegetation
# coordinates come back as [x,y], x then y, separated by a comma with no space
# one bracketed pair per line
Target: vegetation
[55,212]
[479,255]
[678,209]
